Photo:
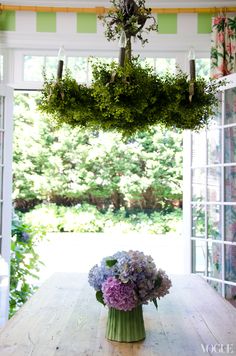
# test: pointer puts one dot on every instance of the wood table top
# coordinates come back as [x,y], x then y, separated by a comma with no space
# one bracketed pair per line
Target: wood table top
[63,318]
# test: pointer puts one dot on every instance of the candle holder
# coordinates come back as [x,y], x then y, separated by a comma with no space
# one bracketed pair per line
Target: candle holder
[122,45]
[61,59]
[192,72]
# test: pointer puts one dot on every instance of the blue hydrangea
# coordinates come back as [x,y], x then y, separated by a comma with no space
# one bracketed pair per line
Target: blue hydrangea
[134,269]
[99,274]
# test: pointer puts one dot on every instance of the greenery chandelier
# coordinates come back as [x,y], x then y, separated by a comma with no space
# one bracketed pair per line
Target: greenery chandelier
[126,96]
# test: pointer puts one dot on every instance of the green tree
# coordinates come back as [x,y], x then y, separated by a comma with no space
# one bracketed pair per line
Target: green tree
[72,165]
[28,153]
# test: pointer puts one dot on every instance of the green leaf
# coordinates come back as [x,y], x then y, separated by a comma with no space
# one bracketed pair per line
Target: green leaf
[158,281]
[99,297]
[155,303]
[111,263]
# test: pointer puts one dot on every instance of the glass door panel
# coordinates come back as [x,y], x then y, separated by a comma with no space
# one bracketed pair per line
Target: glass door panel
[230,144]
[199,256]
[214,259]
[230,263]
[198,184]
[213,185]
[230,184]
[214,222]
[6,128]
[198,148]
[214,146]
[2,134]
[230,223]
[198,221]
[230,106]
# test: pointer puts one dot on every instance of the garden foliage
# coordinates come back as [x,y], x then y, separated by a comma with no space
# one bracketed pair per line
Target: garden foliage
[86,218]
[25,262]
[69,166]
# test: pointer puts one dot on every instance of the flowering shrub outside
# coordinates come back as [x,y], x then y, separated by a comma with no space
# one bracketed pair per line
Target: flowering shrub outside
[128,279]
[25,262]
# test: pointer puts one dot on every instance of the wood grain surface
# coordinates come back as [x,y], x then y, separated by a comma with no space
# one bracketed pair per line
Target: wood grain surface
[64,319]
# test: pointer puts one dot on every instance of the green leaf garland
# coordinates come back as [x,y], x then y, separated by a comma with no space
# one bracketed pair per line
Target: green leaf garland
[129,99]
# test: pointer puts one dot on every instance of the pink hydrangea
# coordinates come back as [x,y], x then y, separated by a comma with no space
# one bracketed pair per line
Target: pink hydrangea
[119,295]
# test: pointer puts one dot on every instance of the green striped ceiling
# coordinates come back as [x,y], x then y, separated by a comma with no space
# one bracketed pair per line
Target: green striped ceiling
[87,22]
[8,21]
[46,22]
[204,23]
[167,23]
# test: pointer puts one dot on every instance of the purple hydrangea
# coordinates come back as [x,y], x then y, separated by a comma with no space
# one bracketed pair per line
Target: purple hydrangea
[24,237]
[119,295]
[165,284]
[131,280]
[140,270]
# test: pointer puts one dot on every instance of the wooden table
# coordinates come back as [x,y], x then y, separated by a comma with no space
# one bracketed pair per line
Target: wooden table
[63,318]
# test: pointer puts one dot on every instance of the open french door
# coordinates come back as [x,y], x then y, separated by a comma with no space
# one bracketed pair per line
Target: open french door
[210,196]
[6,130]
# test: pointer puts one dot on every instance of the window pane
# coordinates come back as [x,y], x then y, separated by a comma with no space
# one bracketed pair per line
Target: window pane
[198,221]
[199,256]
[230,223]
[214,222]
[79,68]
[230,184]
[198,184]
[0,219]
[214,259]
[230,294]
[148,61]
[230,263]
[230,144]
[1,147]
[33,68]
[230,106]
[214,146]
[216,285]
[213,184]
[1,182]
[1,67]
[51,66]
[203,67]
[199,148]
[217,119]
[1,112]
[164,65]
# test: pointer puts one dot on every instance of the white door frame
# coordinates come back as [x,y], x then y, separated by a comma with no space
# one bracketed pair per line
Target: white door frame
[6,183]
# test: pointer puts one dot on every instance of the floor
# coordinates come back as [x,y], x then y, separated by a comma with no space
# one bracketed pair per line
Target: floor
[67,252]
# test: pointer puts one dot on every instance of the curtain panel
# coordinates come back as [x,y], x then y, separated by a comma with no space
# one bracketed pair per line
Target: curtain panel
[223,46]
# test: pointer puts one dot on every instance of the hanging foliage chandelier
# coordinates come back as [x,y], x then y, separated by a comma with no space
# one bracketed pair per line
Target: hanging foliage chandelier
[126,96]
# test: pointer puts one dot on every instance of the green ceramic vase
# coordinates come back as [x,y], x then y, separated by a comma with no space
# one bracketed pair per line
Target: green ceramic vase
[125,326]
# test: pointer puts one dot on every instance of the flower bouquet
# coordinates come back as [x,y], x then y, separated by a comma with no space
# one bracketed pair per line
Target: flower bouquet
[124,282]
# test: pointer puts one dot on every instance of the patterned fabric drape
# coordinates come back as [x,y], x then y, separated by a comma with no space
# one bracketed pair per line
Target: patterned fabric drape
[223,46]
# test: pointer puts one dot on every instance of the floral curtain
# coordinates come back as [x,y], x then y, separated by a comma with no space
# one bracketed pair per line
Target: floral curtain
[223,46]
